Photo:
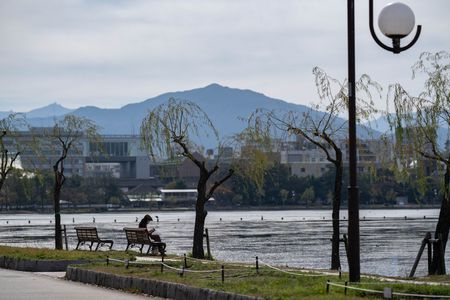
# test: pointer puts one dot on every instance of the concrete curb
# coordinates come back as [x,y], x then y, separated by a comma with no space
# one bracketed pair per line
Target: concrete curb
[151,287]
[29,265]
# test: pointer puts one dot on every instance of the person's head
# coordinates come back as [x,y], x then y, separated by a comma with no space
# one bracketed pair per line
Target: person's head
[148,218]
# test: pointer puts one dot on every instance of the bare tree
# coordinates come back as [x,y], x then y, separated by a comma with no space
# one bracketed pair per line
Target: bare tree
[417,122]
[8,128]
[65,134]
[169,130]
[322,127]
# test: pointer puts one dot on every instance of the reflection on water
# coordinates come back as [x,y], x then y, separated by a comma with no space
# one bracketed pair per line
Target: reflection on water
[390,239]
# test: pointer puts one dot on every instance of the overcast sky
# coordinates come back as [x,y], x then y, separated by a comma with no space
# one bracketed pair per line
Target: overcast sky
[111,53]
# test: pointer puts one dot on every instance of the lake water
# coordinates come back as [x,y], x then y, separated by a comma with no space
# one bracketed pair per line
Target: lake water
[296,238]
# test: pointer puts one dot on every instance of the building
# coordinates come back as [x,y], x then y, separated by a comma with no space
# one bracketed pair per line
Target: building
[306,159]
[118,155]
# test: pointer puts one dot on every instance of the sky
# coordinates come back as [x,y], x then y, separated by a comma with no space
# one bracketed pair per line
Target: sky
[108,53]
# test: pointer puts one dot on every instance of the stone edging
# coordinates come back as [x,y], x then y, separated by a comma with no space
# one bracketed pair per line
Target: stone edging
[36,265]
[151,287]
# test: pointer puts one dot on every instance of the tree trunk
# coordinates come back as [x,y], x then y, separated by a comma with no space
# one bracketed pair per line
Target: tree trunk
[200,216]
[3,202]
[2,180]
[335,258]
[56,198]
[442,227]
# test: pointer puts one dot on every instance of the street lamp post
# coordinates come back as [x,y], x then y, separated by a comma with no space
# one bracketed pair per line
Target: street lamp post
[396,21]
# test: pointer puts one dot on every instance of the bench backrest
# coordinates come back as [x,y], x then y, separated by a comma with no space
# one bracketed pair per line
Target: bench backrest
[87,233]
[137,235]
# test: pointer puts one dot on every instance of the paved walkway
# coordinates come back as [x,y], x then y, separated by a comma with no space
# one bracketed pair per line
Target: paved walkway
[16,285]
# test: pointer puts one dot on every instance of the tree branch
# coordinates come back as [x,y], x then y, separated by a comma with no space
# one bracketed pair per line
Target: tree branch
[187,153]
[218,183]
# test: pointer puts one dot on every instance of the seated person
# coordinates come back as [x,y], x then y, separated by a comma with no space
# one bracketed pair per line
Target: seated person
[155,237]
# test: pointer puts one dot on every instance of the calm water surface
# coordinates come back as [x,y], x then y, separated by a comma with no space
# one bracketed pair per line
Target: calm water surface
[296,238]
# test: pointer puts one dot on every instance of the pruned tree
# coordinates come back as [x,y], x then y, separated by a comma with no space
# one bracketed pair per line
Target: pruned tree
[170,131]
[64,136]
[418,122]
[9,129]
[322,127]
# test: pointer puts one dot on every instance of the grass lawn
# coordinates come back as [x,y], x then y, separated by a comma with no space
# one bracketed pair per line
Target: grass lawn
[51,254]
[267,283]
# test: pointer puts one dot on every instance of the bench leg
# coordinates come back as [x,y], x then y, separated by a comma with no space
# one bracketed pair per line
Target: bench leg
[162,249]
[78,245]
[110,246]
[90,246]
[98,245]
[128,245]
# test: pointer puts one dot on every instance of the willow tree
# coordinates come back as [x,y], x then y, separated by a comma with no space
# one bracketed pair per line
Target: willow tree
[64,138]
[9,153]
[322,127]
[173,130]
[420,122]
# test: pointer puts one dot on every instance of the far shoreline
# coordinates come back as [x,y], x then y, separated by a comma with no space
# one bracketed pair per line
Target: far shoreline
[214,208]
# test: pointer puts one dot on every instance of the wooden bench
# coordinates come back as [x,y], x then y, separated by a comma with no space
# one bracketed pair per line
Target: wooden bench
[138,237]
[88,235]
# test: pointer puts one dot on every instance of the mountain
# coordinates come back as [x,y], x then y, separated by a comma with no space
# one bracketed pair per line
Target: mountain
[381,124]
[49,111]
[224,106]
[4,114]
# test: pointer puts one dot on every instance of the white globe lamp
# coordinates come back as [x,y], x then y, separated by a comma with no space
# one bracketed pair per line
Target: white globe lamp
[396,20]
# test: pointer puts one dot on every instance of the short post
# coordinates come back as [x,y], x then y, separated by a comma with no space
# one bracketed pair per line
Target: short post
[328,286]
[257,265]
[107,260]
[223,274]
[387,293]
[162,263]
[65,237]
[345,289]
[208,249]
[185,261]
[127,263]
[182,272]
[340,272]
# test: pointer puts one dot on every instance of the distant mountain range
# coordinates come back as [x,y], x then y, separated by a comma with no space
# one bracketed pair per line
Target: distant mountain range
[381,124]
[49,111]
[224,106]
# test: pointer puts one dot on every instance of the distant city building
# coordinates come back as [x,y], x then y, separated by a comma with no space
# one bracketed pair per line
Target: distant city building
[306,159]
[117,155]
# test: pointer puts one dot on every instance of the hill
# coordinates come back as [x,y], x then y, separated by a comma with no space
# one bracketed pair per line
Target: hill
[224,106]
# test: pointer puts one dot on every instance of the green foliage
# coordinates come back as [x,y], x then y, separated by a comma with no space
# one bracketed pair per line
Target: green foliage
[35,190]
[177,184]
[308,196]
[172,122]
[378,188]
[417,118]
